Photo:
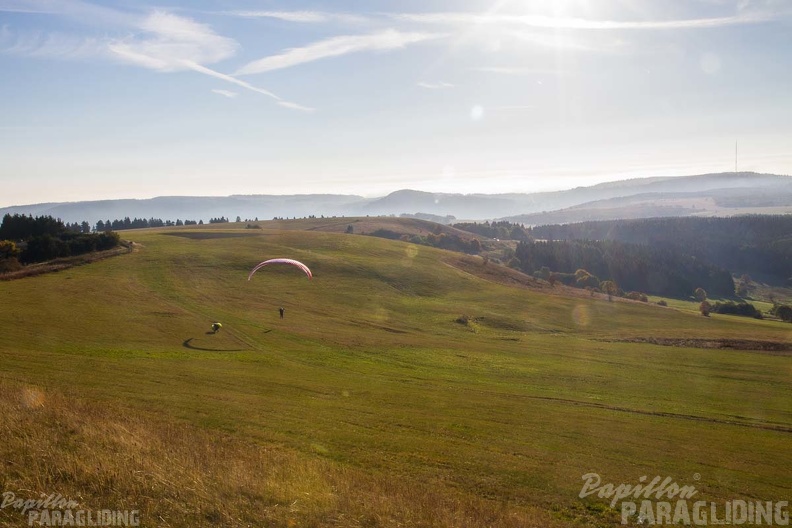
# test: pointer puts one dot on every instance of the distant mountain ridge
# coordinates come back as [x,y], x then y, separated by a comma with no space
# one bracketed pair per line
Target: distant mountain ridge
[713,194]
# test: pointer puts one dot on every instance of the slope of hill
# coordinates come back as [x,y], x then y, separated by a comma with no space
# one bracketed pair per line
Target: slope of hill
[454,397]
[192,207]
[713,202]
[730,190]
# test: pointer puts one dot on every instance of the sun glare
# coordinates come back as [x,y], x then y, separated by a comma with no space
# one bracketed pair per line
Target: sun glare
[570,8]
[555,8]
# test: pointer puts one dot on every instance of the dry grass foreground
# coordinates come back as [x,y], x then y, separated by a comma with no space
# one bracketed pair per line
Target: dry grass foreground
[101,456]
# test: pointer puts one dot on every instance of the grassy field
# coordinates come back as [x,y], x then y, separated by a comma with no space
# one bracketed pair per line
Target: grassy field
[372,403]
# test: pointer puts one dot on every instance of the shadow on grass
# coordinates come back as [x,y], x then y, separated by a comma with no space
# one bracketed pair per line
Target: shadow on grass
[187,344]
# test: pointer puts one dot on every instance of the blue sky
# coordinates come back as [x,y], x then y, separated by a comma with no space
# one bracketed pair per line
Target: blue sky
[129,99]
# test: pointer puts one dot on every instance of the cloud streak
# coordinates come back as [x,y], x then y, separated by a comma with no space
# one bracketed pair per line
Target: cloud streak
[169,42]
[303,17]
[335,47]
[517,70]
[50,45]
[434,86]
[548,22]
[74,9]
[233,80]
[225,93]
[160,41]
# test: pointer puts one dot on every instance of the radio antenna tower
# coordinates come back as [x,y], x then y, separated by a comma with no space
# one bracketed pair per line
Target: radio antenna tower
[735,155]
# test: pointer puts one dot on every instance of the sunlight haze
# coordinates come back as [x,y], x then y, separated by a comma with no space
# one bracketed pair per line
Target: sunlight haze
[104,100]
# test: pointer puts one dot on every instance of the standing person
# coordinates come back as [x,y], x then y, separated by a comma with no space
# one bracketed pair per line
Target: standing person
[281,310]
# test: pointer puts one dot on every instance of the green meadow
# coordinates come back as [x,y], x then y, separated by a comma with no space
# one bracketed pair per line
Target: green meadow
[405,386]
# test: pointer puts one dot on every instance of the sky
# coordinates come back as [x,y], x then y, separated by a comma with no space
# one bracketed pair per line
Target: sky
[130,99]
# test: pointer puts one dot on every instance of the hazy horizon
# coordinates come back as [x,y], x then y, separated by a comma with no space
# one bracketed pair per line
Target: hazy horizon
[361,195]
[111,100]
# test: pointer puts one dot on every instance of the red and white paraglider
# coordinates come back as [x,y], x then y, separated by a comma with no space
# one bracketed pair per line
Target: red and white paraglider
[290,262]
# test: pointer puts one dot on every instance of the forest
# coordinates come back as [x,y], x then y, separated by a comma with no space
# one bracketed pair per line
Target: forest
[500,230]
[26,240]
[756,245]
[632,267]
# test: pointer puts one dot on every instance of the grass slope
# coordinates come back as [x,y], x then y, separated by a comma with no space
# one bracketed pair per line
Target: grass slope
[370,381]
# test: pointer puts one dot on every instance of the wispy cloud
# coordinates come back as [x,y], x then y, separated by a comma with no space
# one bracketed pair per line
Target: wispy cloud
[335,47]
[169,42]
[225,93]
[50,45]
[233,80]
[295,106]
[601,42]
[435,85]
[512,108]
[549,22]
[310,17]
[517,70]
[76,9]
[159,41]
[175,43]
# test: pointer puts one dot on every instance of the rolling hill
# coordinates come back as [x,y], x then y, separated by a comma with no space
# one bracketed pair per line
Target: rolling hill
[406,385]
[708,194]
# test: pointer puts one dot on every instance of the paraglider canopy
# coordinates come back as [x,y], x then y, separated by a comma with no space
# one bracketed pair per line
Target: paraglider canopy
[216,327]
[290,262]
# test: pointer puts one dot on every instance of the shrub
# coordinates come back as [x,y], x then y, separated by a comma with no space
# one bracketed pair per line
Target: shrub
[783,312]
[637,296]
[732,308]
[9,264]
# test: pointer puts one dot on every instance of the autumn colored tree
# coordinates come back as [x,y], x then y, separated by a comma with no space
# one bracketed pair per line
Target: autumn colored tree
[610,288]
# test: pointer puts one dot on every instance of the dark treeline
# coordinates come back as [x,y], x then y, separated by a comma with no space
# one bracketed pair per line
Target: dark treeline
[500,230]
[25,240]
[22,227]
[759,245]
[633,267]
[139,223]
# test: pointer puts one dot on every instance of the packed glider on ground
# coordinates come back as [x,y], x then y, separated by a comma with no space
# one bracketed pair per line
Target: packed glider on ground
[291,262]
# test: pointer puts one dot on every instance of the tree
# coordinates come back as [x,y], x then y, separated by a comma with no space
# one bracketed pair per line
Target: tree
[700,294]
[21,227]
[743,286]
[44,247]
[8,249]
[8,256]
[584,279]
[609,287]
[542,273]
[784,312]
[705,308]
